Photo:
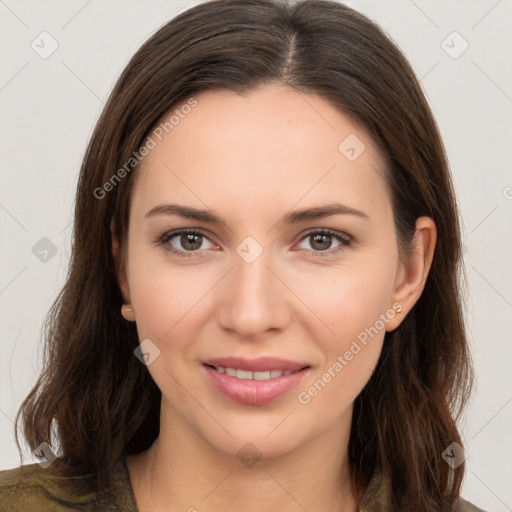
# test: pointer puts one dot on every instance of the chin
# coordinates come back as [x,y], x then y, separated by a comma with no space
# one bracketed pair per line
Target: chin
[250,438]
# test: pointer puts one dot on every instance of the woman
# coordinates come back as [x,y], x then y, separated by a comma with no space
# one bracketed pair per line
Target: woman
[262,310]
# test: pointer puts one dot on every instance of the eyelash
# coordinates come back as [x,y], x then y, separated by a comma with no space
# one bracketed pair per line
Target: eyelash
[344,239]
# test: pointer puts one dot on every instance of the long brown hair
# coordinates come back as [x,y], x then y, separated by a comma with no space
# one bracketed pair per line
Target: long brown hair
[102,401]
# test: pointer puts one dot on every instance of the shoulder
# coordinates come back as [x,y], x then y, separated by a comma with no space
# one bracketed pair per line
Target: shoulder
[377,493]
[466,506]
[37,489]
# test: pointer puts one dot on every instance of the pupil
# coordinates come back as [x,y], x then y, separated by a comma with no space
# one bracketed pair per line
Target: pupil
[189,238]
[324,241]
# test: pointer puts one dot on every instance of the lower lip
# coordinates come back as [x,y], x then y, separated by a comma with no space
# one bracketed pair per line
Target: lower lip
[254,392]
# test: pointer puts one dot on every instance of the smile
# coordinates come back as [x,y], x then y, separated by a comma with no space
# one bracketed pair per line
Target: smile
[247,375]
[254,382]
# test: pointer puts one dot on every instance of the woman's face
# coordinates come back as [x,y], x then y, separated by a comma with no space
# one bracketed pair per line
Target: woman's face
[258,278]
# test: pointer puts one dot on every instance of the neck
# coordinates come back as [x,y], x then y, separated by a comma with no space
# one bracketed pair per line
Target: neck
[181,471]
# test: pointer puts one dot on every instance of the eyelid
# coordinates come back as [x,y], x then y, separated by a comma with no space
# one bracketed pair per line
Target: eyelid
[163,239]
[344,239]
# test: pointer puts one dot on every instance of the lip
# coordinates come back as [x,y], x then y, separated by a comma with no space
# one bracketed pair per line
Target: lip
[254,392]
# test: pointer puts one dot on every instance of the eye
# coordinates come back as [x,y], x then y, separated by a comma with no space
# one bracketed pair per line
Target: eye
[185,242]
[191,242]
[321,241]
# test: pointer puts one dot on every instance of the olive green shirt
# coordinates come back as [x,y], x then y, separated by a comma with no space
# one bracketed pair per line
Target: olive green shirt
[31,488]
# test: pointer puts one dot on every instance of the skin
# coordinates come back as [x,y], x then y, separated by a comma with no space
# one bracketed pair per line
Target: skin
[252,159]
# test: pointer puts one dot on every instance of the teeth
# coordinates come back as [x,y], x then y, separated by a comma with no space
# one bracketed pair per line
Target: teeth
[264,375]
[247,375]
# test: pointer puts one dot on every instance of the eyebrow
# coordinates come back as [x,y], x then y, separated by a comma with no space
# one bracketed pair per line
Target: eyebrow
[295,217]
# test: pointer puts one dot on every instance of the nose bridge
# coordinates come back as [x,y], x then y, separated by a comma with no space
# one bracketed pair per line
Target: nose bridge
[254,300]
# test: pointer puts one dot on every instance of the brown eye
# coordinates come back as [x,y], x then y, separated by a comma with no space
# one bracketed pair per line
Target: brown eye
[191,242]
[325,241]
[321,242]
[186,242]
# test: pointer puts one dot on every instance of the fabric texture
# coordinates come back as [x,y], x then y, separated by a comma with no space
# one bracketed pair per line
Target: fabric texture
[32,488]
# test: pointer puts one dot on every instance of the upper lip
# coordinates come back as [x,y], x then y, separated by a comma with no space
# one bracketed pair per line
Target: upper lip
[260,364]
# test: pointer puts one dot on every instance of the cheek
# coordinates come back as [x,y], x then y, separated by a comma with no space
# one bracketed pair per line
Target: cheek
[167,302]
[165,299]
[354,310]
[346,301]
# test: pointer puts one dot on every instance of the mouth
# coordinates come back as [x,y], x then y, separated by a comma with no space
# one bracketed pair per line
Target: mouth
[254,382]
[248,375]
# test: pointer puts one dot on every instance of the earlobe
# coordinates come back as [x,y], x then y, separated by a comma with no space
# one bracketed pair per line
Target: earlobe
[415,270]
[127,312]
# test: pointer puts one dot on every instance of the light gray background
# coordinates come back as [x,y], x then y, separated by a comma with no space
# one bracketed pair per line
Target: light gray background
[49,107]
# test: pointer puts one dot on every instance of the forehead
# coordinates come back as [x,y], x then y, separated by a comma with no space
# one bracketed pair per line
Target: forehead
[272,147]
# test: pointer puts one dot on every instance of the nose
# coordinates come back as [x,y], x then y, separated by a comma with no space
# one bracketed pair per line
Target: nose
[254,299]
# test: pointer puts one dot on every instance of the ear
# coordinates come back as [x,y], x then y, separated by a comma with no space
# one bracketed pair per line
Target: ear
[412,274]
[121,274]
